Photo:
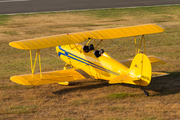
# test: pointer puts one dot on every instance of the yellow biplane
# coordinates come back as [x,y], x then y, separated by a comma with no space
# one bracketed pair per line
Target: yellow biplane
[87,59]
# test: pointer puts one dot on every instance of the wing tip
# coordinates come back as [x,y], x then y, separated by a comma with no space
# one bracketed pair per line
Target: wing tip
[17,80]
[16,45]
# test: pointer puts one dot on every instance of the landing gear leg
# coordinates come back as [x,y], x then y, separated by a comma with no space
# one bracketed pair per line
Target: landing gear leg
[145,92]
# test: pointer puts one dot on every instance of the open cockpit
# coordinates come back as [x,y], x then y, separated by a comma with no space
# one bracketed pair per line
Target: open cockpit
[89,48]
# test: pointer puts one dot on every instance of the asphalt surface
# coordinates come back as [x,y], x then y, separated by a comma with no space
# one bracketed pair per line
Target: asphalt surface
[29,6]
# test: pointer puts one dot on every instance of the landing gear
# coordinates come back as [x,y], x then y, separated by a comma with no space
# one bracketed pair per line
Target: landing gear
[145,92]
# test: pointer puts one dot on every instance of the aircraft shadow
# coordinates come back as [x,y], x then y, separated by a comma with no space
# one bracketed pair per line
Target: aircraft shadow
[76,86]
[163,85]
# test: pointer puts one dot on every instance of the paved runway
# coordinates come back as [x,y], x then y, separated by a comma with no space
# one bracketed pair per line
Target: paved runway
[28,6]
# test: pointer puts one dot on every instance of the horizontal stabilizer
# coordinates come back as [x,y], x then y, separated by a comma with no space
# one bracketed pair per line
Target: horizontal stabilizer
[72,38]
[153,59]
[48,77]
[123,79]
[158,74]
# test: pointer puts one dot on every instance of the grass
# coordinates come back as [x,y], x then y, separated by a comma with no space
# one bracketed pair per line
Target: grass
[10,32]
[69,119]
[115,108]
[81,101]
[3,19]
[119,95]
[90,99]
[21,109]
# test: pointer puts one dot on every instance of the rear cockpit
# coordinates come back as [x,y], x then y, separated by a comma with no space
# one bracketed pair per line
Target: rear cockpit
[98,53]
[89,48]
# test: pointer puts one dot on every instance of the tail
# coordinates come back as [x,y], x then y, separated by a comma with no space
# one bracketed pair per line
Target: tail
[139,72]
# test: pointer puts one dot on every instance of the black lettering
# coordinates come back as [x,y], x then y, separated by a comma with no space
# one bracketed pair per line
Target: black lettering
[145,77]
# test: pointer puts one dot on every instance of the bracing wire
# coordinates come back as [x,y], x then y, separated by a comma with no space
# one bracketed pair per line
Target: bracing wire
[52,56]
[120,47]
[112,44]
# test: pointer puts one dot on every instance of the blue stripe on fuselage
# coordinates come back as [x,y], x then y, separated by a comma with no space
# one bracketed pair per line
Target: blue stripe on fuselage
[84,61]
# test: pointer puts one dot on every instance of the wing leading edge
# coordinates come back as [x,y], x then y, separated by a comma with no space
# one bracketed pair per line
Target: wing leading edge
[72,38]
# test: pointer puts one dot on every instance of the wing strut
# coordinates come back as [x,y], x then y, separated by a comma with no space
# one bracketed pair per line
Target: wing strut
[138,49]
[99,43]
[33,67]
[135,44]
[88,41]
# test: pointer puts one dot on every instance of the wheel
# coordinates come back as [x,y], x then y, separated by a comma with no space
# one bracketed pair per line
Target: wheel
[146,93]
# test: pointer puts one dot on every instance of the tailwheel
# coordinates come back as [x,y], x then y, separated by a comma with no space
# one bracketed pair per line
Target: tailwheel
[145,92]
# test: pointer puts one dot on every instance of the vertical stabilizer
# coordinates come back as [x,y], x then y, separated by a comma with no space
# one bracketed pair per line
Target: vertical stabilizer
[141,69]
[139,72]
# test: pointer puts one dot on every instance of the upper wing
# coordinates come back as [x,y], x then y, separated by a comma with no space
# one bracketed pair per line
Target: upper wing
[49,77]
[153,59]
[63,39]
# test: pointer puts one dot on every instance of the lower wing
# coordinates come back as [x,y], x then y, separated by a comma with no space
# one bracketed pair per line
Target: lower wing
[49,77]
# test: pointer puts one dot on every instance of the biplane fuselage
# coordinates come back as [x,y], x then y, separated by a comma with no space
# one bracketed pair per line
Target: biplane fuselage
[102,67]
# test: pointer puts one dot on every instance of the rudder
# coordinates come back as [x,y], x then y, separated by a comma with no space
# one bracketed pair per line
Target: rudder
[139,72]
[141,69]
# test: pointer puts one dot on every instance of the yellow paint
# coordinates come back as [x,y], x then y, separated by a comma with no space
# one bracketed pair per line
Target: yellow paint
[48,77]
[34,62]
[103,67]
[139,72]
[135,71]
[153,59]
[135,44]
[63,83]
[72,38]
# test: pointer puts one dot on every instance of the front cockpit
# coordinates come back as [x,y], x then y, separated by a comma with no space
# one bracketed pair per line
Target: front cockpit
[89,48]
